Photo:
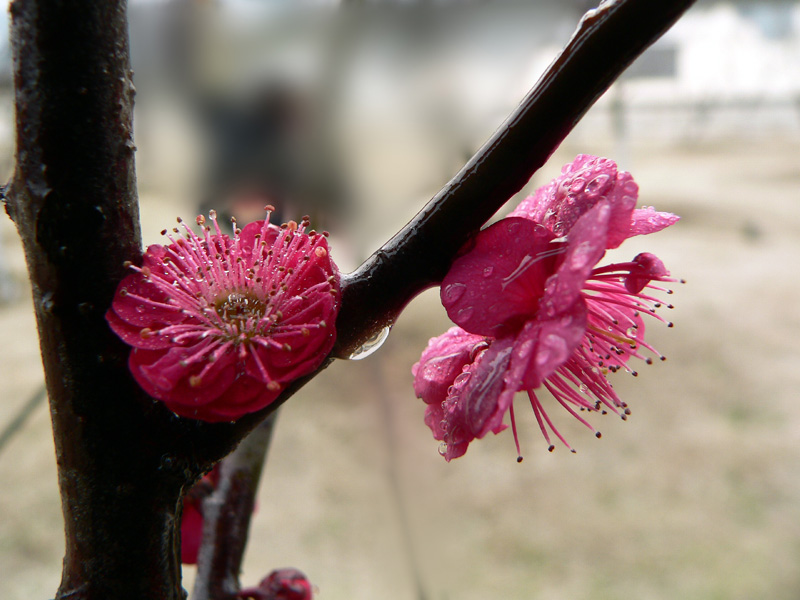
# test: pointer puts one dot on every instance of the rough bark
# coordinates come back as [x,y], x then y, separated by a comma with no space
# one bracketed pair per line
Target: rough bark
[122,460]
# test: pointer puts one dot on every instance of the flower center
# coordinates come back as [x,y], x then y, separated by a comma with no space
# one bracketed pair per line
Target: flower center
[240,309]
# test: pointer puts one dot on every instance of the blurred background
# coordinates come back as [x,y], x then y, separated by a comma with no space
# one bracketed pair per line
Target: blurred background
[357,113]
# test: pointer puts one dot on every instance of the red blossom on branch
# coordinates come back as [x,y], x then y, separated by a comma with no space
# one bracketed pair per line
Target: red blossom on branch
[220,325]
[192,516]
[534,310]
[280,584]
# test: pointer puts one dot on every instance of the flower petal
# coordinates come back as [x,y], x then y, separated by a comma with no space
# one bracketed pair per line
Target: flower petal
[480,409]
[648,220]
[586,244]
[581,185]
[441,362]
[245,395]
[166,376]
[496,285]
[142,304]
[139,337]
[544,345]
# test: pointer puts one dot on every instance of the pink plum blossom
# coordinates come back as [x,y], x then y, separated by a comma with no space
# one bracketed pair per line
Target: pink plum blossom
[192,516]
[280,584]
[219,325]
[534,310]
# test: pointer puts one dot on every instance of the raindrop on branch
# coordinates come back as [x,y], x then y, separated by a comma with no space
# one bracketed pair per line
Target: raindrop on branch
[371,345]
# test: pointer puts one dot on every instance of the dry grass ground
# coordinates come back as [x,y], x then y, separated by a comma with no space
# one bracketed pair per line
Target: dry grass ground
[696,497]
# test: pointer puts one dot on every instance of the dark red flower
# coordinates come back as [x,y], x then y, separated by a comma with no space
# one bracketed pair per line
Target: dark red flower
[220,325]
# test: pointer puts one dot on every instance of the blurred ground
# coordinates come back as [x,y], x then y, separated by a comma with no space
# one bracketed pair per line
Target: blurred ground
[696,497]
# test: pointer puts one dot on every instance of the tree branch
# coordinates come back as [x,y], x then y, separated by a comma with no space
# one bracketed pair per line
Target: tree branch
[73,199]
[226,516]
[607,40]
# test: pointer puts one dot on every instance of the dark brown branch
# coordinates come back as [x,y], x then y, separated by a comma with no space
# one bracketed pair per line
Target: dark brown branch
[226,516]
[608,39]
[73,199]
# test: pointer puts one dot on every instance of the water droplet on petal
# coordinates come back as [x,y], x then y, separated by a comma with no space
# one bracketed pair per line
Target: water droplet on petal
[581,255]
[443,448]
[465,314]
[371,345]
[631,332]
[597,183]
[462,378]
[584,389]
[454,291]
[487,272]
[577,186]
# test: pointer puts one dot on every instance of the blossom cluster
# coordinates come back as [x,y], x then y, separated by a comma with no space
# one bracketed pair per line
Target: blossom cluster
[534,310]
[220,325]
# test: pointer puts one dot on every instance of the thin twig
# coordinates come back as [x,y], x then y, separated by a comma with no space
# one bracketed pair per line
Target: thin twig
[226,516]
[22,416]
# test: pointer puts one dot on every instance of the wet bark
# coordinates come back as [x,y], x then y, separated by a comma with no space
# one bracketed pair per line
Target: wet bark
[122,459]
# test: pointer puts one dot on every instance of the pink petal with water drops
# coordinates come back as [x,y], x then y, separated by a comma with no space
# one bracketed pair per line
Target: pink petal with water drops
[622,199]
[471,408]
[496,285]
[544,345]
[649,220]
[459,440]
[141,337]
[581,185]
[479,408]
[585,246]
[441,362]
[536,206]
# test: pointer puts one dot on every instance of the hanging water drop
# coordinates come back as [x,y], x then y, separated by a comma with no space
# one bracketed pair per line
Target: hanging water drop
[371,345]
[443,448]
